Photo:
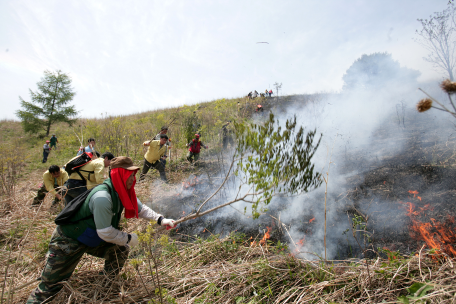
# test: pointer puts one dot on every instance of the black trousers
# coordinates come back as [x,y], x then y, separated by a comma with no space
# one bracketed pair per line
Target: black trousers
[45,156]
[157,165]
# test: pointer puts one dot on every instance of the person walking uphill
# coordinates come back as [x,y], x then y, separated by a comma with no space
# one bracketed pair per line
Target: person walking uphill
[46,150]
[54,141]
[94,230]
[195,148]
[52,179]
[153,155]
[87,176]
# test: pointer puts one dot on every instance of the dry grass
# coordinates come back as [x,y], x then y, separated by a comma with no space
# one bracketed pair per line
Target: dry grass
[230,271]
[215,270]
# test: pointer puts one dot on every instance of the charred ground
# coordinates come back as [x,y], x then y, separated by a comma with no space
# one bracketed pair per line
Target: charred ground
[413,154]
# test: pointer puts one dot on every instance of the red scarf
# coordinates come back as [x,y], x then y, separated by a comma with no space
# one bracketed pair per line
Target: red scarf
[128,198]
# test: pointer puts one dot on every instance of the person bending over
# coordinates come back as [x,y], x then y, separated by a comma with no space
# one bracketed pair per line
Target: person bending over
[95,230]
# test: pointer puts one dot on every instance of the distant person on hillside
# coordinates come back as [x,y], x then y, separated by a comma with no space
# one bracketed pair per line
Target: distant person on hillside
[255,94]
[266,92]
[270,93]
[90,147]
[53,179]
[54,141]
[194,149]
[226,133]
[164,130]
[88,176]
[259,109]
[153,155]
[249,96]
[46,150]
[95,229]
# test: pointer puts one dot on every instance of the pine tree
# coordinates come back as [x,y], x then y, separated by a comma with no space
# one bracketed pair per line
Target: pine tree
[49,104]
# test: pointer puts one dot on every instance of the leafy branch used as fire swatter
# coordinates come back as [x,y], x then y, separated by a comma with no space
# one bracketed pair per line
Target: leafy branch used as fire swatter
[269,160]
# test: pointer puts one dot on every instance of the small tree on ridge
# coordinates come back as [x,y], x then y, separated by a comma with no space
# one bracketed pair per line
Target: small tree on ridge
[48,104]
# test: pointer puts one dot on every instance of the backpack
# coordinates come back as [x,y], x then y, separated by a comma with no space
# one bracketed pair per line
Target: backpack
[75,164]
[63,218]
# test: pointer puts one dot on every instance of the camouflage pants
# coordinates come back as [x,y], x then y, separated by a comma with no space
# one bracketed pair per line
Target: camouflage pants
[62,258]
[192,156]
[41,195]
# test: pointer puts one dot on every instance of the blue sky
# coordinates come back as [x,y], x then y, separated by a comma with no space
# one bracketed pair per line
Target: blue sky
[128,57]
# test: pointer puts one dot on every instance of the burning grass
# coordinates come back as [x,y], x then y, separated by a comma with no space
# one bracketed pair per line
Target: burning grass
[217,270]
[229,270]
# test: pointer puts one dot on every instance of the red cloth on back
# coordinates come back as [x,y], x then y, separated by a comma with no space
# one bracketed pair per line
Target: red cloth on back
[128,198]
[195,147]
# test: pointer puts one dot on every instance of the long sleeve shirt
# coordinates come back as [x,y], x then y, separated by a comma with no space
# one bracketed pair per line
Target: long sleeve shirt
[155,151]
[101,206]
[46,148]
[50,181]
[167,143]
[95,178]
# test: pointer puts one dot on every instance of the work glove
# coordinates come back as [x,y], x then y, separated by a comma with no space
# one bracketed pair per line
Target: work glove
[134,240]
[169,223]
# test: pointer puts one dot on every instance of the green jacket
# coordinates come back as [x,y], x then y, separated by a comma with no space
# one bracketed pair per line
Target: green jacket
[85,230]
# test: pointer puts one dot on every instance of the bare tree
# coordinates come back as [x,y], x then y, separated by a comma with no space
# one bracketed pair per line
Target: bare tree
[277,86]
[438,36]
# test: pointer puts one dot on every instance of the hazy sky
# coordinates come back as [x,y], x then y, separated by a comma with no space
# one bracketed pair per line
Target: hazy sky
[132,56]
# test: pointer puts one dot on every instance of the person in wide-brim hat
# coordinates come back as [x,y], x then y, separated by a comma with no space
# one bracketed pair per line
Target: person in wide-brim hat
[94,229]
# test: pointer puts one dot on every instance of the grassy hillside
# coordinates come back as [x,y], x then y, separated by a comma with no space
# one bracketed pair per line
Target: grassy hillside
[165,269]
[21,153]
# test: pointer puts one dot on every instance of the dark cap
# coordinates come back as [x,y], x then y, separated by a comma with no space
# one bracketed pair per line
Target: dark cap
[163,136]
[164,128]
[123,162]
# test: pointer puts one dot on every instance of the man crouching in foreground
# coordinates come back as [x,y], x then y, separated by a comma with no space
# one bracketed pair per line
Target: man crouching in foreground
[95,230]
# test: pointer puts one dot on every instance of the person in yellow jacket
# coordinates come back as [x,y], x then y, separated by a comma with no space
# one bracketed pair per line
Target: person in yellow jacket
[87,177]
[156,150]
[52,180]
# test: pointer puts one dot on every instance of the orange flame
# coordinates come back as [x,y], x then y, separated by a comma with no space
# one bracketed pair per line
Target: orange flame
[414,192]
[263,240]
[436,235]
[193,182]
[311,220]
[265,236]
